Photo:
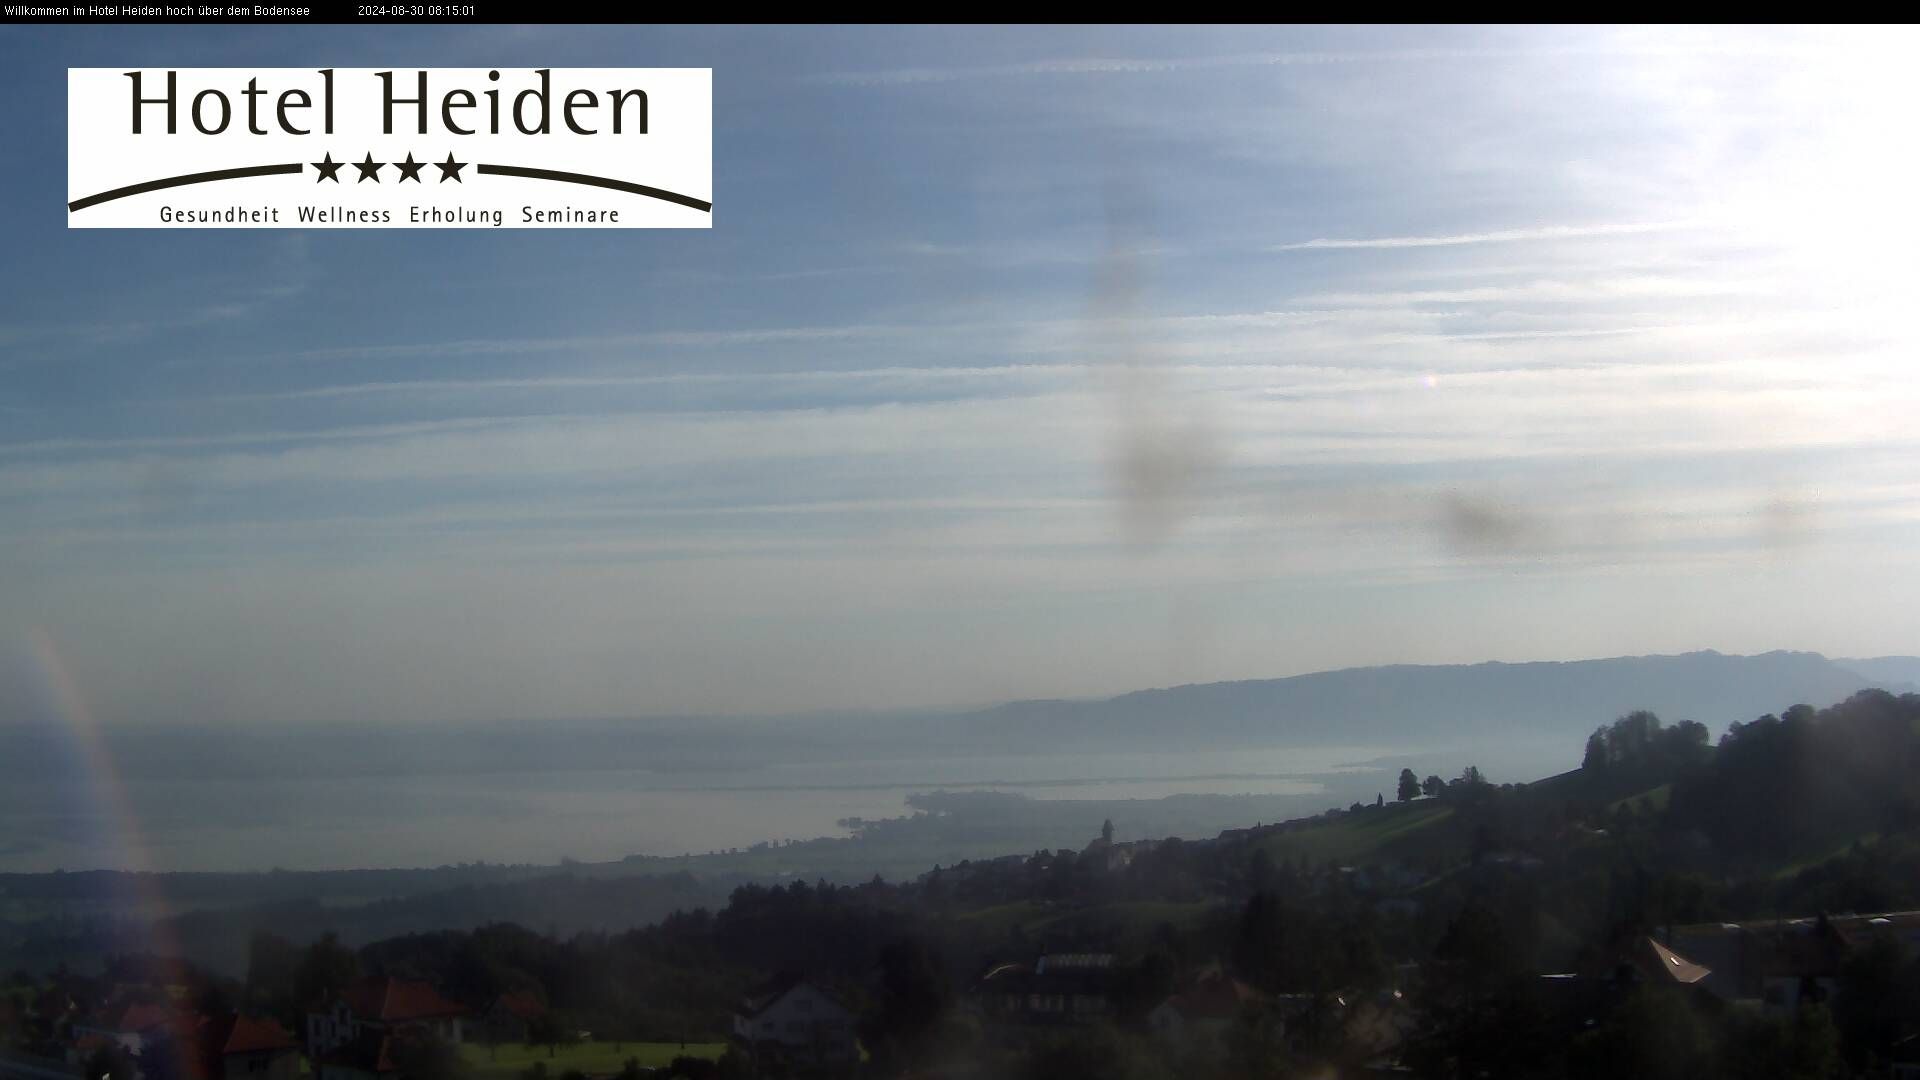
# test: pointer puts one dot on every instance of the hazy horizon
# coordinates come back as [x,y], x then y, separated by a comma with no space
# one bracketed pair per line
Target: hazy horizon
[1900,661]
[1187,761]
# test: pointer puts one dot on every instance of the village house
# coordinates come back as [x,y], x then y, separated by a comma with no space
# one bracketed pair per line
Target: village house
[130,1025]
[230,1047]
[797,1023]
[1059,988]
[1196,1020]
[1782,964]
[511,1017]
[381,1006]
[238,1047]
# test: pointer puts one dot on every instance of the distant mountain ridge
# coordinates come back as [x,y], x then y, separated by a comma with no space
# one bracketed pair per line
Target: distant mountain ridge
[1462,700]
[1896,673]
[1396,705]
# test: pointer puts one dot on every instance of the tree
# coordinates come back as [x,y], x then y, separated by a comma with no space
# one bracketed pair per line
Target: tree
[552,1030]
[272,963]
[1595,759]
[1297,948]
[1142,986]
[1804,1046]
[1409,786]
[913,1003]
[1653,1035]
[326,968]
[1432,787]
[1474,956]
[159,1057]
[1876,984]
[424,1057]
[1095,1053]
[1256,1042]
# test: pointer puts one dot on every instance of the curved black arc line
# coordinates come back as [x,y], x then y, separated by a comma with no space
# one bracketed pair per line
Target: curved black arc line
[180,181]
[595,181]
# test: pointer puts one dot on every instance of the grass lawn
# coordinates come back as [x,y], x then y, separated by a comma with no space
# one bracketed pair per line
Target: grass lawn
[1811,861]
[1355,838]
[506,1061]
[1656,797]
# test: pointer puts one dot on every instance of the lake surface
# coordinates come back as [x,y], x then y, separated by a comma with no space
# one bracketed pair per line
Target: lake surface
[73,821]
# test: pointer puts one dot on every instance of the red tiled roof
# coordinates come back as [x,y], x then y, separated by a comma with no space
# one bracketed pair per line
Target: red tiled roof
[139,1016]
[1214,997]
[249,1035]
[92,1041]
[398,1000]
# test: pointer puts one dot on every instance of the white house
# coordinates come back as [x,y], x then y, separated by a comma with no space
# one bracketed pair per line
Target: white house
[795,1020]
[128,1026]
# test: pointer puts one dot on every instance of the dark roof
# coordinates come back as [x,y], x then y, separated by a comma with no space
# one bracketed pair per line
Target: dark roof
[762,997]
[1054,974]
[1063,962]
[396,1000]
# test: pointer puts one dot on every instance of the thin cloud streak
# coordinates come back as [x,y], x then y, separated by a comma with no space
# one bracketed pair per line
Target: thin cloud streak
[1496,236]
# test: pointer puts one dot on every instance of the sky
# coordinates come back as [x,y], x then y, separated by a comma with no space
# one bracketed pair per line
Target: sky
[1018,363]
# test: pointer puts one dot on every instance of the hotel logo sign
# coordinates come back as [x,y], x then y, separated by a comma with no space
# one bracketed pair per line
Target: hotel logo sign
[390,148]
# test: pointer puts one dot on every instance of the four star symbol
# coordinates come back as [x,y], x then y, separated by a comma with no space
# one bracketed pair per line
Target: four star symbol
[370,169]
[328,167]
[409,169]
